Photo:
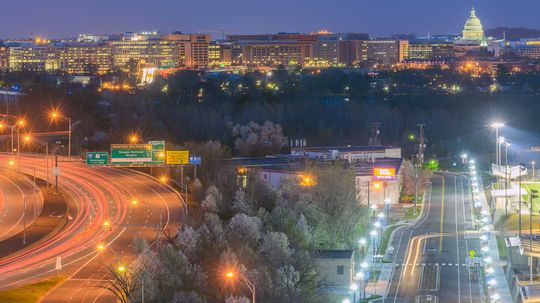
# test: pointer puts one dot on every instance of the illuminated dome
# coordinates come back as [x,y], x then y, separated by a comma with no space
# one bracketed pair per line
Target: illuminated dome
[473,30]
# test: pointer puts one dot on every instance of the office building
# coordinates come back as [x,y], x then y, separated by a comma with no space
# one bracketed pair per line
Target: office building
[429,50]
[192,49]
[384,52]
[525,48]
[128,55]
[275,53]
[86,59]
[34,57]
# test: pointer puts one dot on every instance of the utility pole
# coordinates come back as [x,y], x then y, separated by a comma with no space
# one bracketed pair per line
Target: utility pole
[421,146]
[415,186]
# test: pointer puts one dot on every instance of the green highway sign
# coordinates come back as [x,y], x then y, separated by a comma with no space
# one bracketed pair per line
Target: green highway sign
[97,158]
[131,154]
[158,152]
[471,254]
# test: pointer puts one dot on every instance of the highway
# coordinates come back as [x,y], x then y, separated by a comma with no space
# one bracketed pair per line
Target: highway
[431,259]
[101,212]
[15,188]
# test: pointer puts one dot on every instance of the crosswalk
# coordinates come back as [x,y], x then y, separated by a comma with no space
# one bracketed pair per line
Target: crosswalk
[433,264]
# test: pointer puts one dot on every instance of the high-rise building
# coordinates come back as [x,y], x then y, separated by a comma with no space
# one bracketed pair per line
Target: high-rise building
[86,59]
[127,55]
[34,57]
[525,48]
[192,49]
[380,51]
[274,53]
[429,50]
[334,49]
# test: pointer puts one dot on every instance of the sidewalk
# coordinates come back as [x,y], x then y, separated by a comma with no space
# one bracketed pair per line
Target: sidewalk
[497,264]
[380,287]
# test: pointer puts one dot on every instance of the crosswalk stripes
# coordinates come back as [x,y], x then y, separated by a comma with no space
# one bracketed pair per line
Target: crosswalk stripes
[432,264]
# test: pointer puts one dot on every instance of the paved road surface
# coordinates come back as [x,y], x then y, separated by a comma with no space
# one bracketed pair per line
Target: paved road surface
[431,256]
[95,196]
[14,187]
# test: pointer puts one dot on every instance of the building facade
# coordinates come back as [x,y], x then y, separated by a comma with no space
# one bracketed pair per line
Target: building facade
[86,59]
[276,53]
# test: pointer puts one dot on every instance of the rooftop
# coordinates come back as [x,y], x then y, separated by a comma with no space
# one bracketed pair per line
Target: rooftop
[334,254]
[343,149]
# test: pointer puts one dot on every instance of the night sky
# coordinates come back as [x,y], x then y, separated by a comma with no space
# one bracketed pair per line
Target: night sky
[67,18]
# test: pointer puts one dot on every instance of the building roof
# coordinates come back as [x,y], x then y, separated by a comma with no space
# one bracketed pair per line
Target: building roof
[366,168]
[343,149]
[261,161]
[334,254]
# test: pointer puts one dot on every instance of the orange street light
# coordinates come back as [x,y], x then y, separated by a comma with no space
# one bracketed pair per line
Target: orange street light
[163,179]
[21,123]
[377,185]
[121,268]
[11,162]
[27,138]
[307,181]
[251,286]
[133,139]
[100,247]
[134,202]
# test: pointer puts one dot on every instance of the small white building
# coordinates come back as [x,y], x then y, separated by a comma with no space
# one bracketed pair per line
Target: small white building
[335,268]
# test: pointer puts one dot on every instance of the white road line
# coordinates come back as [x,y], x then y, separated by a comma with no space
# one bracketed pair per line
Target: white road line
[457,238]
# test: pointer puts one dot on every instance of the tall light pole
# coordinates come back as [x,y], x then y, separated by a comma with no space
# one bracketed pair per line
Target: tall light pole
[533,171]
[249,284]
[28,139]
[521,168]
[497,125]
[507,145]
[55,115]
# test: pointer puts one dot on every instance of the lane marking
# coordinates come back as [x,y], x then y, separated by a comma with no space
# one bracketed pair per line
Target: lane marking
[442,217]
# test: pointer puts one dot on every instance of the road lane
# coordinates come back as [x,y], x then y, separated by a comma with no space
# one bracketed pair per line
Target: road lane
[431,256]
[96,195]
[14,188]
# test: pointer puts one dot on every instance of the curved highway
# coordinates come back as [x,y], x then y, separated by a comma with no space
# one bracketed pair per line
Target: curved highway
[101,212]
[15,188]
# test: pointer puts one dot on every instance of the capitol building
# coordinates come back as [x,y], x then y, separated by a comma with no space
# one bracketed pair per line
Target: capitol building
[473,37]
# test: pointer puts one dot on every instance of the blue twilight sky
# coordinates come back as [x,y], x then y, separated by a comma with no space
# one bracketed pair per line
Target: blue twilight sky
[61,18]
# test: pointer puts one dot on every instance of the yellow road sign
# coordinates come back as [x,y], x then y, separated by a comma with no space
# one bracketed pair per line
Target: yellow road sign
[177,157]
[471,254]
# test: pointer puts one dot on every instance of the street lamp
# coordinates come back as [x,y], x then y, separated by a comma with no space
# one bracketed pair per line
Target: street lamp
[363,243]
[251,286]
[28,139]
[353,288]
[521,168]
[373,235]
[533,171]
[496,125]
[507,145]
[55,115]
[133,139]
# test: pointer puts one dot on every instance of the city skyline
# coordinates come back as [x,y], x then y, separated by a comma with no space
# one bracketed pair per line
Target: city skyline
[375,17]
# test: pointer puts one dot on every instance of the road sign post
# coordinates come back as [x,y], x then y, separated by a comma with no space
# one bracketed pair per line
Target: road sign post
[131,154]
[97,158]
[177,157]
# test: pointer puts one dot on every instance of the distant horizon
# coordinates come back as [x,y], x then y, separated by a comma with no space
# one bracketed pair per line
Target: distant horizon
[68,18]
[215,37]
